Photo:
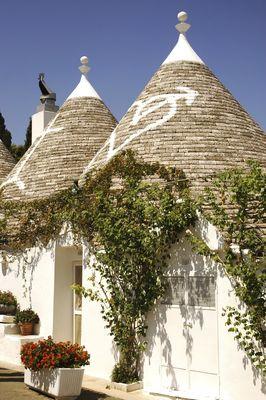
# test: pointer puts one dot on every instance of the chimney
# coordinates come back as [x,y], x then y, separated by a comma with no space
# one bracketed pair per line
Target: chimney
[46,110]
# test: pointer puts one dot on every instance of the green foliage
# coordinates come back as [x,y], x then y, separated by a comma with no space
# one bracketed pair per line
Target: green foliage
[136,217]
[27,315]
[17,151]
[7,298]
[236,205]
[123,373]
[28,138]
[5,135]
[130,212]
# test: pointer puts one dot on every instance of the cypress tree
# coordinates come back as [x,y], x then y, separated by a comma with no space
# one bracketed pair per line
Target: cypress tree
[28,138]
[5,135]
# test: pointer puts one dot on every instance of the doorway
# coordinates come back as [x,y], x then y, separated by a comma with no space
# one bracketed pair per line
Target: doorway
[77,304]
[189,363]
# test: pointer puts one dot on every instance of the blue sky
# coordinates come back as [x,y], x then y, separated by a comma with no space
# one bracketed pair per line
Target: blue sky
[126,41]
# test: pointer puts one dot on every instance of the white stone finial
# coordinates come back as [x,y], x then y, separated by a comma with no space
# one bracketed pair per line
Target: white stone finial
[182,26]
[182,16]
[84,88]
[182,50]
[84,68]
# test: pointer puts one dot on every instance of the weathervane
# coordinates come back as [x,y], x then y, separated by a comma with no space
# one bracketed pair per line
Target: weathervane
[48,96]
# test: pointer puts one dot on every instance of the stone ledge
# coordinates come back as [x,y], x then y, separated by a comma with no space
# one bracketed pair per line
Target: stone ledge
[12,366]
[7,329]
[126,387]
[10,347]
[23,338]
[6,319]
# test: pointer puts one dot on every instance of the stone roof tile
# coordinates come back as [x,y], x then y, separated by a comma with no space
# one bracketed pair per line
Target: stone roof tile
[59,155]
[7,162]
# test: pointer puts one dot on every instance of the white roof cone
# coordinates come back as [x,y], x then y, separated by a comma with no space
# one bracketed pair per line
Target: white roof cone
[84,88]
[183,51]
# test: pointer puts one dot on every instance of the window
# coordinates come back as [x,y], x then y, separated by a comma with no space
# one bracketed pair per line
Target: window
[201,291]
[175,292]
[190,290]
[77,305]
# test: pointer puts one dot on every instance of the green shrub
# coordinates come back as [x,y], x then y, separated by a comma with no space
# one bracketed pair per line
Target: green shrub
[27,315]
[8,299]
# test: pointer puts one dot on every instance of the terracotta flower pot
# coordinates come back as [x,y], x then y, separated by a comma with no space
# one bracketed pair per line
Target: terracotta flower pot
[26,328]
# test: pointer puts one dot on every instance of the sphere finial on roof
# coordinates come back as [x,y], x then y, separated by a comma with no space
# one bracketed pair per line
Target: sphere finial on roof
[84,68]
[182,26]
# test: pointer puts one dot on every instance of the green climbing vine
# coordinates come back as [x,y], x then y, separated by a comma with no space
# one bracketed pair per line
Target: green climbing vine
[139,213]
[129,213]
[236,204]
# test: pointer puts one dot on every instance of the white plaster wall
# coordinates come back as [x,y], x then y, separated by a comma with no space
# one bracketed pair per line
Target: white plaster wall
[97,341]
[95,337]
[182,262]
[237,378]
[239,381]
[65,257]
[39,121]
[36,289]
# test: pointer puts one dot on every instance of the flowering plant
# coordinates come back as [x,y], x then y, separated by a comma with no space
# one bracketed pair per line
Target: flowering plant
[47,354]
[7,298]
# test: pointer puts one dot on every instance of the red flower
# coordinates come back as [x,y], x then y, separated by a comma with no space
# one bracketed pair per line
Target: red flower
[49,354]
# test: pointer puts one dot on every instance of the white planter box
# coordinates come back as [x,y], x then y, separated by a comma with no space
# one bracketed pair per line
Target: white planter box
[127,387]
[62,383]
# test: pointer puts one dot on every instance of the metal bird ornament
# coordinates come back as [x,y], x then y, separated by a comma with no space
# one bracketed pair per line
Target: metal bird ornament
[46,92]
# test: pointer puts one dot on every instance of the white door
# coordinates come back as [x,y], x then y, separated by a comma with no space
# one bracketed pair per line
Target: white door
[77,304]
[189,353]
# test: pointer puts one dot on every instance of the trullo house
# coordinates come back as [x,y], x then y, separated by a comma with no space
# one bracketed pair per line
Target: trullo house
[185,118]
[63,142]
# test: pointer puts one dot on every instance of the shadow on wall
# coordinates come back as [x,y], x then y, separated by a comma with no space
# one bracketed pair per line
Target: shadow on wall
[257,376]
[191,278]
[22,268]
[185,263]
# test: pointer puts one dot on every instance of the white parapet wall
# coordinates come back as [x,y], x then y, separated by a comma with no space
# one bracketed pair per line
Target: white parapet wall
[10,346]
[30,278]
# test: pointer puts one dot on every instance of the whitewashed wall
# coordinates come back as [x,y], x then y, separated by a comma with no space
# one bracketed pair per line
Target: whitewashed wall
[65,257]
[36,289]
[239,381]
[95,337]
[47,279]
[236,378]
[45,287]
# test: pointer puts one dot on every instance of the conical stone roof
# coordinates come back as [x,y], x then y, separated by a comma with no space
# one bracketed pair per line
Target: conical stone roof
[186,118]
[59,155]
[7,162]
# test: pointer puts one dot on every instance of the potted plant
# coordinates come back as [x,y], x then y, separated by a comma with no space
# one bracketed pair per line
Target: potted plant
[8,303]
[54,368]
[26,320]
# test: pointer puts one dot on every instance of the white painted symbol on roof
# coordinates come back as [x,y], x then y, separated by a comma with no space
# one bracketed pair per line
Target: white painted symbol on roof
[14,177]
[143,109]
